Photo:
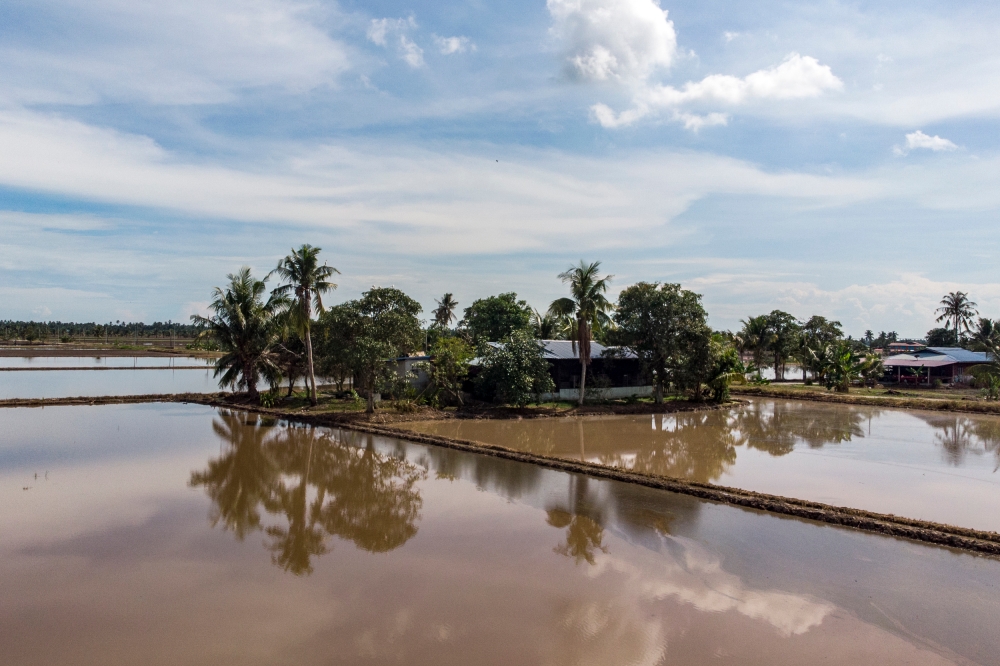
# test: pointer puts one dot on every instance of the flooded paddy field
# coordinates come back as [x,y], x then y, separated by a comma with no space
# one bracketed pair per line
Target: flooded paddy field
[936,466]
[118,381]
[167,533]
[89,362]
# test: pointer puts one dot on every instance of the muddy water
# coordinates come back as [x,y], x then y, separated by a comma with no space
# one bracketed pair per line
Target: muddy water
[166,534]
[102,361]
[927,465]
[73,383]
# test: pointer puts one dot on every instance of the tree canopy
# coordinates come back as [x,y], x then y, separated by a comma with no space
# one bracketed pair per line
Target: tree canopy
[495,318]
[246,328]
[365,333]
[665,326]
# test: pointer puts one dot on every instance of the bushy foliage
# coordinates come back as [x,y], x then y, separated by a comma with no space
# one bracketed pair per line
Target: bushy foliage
[362,335]
[514,372]
[665,326]
[942,337]
[246,328]
[447,370]
[496,318]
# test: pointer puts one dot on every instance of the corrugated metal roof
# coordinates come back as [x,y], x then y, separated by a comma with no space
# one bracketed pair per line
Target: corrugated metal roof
[563,350]
[960,355]
[909,361]
[556,350]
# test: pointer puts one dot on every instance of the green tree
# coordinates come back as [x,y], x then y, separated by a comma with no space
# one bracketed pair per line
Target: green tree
[495,318]
[515,371]
[957,312]
[444,313]
[755,337]
[549,327]
[448,368]
[986,335]
[813,338]
[304,277]
[942,337]
[842,366]
[784,338]
[367,333]
[587,306]
[290,356]
[661,325]
[726,368]
[332,333]
[246,328]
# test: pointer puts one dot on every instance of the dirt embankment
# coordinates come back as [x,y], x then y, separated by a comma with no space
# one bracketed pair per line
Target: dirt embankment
[895,402]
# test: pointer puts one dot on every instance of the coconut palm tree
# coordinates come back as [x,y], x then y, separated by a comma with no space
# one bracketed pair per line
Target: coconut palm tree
[444,313]
[957,310]
[303,276]
[588,306]
[755,337]
[548,327]
[246,329]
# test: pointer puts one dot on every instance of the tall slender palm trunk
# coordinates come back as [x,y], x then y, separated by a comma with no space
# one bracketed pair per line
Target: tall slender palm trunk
[312,375]
[584,335]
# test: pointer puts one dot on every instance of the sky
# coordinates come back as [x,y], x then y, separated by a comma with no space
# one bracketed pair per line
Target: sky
[832,158]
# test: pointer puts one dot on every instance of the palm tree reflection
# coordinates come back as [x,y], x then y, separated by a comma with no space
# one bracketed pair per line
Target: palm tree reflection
[961,435]
[583,522]
[314,485]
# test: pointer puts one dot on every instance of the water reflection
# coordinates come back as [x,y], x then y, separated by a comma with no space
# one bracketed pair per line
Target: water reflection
[961,436]
[931,466]
[776,427]
[700,446]
[114,562]
[582,518]
[316,486]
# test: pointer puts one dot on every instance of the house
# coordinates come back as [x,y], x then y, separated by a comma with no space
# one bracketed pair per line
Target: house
[409,367]
[610,367]
[949,364]
[613,372]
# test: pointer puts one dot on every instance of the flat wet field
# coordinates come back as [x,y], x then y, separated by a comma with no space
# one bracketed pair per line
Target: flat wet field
[168,533]
[123,381]
[87,362]
[935,466]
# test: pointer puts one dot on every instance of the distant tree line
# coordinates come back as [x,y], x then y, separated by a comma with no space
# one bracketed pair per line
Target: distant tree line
[817,345]
[33,330]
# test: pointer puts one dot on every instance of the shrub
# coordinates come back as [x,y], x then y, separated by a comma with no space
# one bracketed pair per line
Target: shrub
[514,372]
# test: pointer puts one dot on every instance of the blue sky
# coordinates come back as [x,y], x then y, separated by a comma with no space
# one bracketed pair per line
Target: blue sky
[823,158]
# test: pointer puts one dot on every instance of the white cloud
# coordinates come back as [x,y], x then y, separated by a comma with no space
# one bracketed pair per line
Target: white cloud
[450,45]
[180,52]
[696,577]
[919,140]
[529,199]
[730,36]
[797,77]
[386,30]
[905,302]
[620,40]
